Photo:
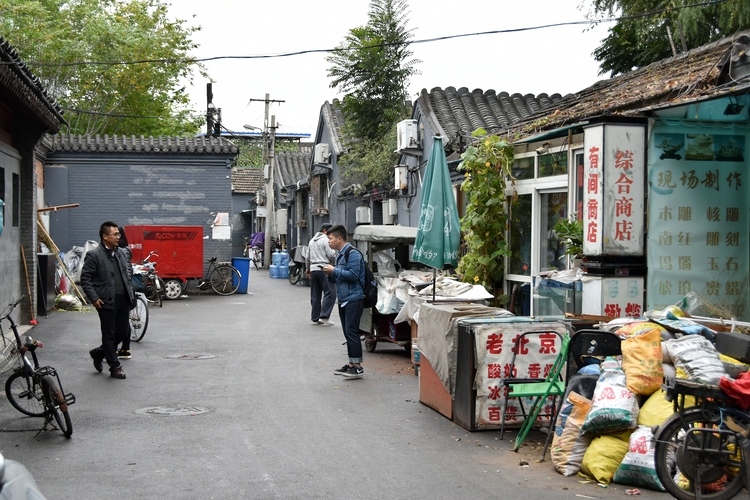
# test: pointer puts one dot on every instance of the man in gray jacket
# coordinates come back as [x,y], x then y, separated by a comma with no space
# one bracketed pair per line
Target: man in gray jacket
[108,282]
[321,254]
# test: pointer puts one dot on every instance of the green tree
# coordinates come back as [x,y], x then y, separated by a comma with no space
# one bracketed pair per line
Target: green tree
[372,68]
[54,36]
[637,41]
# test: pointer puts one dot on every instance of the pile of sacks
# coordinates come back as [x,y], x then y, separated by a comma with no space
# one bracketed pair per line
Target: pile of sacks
[606,434]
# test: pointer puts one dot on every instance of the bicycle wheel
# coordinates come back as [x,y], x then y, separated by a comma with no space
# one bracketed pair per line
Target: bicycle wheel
[56,404]
[159,288]
[257,259]
[683,454]
[225,279]
[139,319]
[25,394]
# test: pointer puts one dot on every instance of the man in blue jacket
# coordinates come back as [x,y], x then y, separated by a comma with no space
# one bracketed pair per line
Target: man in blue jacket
[349,275]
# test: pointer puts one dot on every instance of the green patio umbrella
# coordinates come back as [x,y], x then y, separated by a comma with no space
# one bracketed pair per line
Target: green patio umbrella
[438,231]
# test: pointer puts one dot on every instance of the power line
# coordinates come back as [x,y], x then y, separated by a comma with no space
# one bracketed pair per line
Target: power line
[390,44]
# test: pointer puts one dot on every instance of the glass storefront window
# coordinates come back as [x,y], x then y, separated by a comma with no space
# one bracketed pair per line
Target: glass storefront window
[554,208]
[523,168]
[553,164]
[520,236]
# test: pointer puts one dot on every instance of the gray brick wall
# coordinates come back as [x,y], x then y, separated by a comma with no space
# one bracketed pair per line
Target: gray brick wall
[139,189]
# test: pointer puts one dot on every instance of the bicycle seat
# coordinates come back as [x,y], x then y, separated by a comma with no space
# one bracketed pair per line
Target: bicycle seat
[212,259]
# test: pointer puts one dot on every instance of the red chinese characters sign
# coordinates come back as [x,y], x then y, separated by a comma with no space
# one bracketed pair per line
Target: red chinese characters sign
[614,186]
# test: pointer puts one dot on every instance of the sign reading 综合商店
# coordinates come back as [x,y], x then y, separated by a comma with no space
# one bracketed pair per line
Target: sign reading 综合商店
[614,189]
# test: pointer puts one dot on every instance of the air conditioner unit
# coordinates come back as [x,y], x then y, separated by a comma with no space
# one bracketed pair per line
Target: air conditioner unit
[281,221]
[407,137]
[321,153]
[389,219]
[393,206]
[363,215]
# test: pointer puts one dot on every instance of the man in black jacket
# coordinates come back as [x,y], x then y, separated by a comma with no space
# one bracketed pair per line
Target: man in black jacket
[107,281]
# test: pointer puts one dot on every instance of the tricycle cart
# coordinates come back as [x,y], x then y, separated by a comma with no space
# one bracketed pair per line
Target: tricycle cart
[375,326]
[179,249]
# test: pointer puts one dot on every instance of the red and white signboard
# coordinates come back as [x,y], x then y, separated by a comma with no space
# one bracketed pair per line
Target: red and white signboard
[614,189]
[616,297]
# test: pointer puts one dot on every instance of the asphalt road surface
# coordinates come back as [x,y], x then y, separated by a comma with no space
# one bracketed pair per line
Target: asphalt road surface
[277,423]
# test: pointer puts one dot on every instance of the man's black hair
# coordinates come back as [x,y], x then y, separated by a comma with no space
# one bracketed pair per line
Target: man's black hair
[338,230]
[325,227]
[103,228]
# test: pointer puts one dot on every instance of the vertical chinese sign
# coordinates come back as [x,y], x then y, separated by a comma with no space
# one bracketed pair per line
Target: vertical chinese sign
[698,217]
[614,189]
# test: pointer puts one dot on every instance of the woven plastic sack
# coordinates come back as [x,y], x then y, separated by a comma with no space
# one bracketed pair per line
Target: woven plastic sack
[604,455]
[641,362]
[657,409]
[614,407]
[697,356]
[568,445]
[638,467]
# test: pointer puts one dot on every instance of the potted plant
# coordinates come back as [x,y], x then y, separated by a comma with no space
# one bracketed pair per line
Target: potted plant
[570,232]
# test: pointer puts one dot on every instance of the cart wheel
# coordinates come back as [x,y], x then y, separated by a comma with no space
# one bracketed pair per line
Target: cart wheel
[370,345]
[172,289]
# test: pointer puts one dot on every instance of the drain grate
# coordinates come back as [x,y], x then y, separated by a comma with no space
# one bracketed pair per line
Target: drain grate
[172,411]
[190,356]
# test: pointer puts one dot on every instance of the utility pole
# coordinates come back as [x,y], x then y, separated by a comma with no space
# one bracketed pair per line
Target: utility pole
[209,110]
[268,161]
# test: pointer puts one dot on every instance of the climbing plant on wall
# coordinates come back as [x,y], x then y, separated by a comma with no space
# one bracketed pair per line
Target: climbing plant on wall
[487,169]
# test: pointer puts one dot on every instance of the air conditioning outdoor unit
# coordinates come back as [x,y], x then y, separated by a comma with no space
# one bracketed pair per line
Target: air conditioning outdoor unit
[407,137]
[321,153]
[388,219]
[363,215]
[400,177]
[393,206]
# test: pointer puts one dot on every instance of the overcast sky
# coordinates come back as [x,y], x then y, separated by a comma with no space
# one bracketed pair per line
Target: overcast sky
[556,59]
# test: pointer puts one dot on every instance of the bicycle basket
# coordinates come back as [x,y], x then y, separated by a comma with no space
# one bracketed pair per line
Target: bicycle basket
[9,355]
[138,285]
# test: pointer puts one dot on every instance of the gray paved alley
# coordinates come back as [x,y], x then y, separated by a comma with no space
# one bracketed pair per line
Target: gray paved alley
[279,425]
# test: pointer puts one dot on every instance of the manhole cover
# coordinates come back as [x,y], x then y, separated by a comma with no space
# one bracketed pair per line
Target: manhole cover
[190,356]
[171,411]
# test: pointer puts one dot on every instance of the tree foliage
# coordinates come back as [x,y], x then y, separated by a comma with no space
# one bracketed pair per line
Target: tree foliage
[372,68]
[51,34]
[486,167]
[638,41]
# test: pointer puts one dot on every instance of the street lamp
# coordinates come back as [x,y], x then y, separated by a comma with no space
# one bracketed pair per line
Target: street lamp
[252,127]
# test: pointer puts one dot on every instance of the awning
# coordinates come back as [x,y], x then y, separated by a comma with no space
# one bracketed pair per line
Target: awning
[385,234]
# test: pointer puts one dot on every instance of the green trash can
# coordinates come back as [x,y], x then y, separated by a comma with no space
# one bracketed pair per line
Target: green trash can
[243,266]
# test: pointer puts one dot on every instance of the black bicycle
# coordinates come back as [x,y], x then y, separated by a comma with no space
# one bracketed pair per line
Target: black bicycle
[223,278]
[702,450]
[35,390]
[139,317]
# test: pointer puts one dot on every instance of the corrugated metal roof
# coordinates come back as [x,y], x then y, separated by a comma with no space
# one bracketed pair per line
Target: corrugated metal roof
[695,75]
[132,144]
[246,179]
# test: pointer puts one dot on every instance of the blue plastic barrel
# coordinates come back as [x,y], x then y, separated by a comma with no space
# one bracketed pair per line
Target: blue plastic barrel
[274,271]
[243,266]
[284,271]
[276,258]
[284,258]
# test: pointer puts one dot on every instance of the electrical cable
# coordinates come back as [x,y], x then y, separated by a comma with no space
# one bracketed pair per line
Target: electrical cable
[388,44]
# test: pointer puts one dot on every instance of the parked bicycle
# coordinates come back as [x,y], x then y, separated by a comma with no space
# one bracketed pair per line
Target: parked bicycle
[223,278]
[702,450]
[139,317]
[146,280]
[298,264]
[35,390]
[254,248]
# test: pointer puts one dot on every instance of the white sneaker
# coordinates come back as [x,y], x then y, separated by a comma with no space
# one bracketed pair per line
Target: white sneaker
[325,322]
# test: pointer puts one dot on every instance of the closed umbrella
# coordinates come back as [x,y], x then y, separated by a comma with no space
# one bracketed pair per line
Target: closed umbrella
[438,232]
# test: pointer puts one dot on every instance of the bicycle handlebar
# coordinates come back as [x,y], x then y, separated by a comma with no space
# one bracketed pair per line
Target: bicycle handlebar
[12,306]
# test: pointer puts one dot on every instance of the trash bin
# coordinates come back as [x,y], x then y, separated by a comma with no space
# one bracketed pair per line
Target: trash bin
[243,266]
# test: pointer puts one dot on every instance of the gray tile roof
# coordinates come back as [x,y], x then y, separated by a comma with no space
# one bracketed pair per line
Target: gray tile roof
[24,90]
[293,167]
[695,75]
[333,118]
[246,179]
[132,144]
[454,113]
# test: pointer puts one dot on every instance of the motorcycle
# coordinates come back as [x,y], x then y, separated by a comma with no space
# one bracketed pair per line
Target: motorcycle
[298,264]
[16,482]
[146,281]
